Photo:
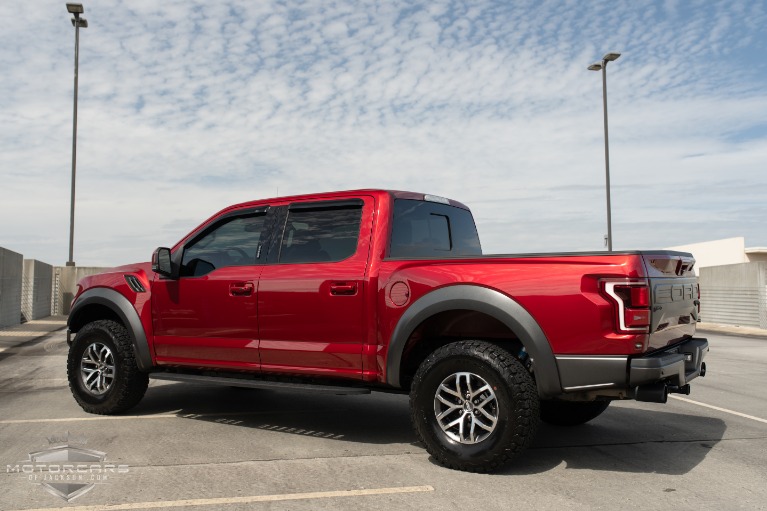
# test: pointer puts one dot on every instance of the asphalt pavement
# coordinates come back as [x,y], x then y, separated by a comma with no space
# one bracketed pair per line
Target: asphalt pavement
[197,447]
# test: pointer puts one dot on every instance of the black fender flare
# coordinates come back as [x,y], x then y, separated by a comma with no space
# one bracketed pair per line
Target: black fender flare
[490,302]
[121,306]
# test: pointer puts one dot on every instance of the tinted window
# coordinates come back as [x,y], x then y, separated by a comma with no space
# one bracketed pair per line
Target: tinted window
[320,234]
[234,242]
[428,229]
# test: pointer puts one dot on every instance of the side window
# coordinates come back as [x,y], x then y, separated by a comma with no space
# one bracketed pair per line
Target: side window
[323,234]
[234,242]
[427,229]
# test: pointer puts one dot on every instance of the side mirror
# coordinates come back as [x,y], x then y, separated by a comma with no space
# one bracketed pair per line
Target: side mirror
[161,262]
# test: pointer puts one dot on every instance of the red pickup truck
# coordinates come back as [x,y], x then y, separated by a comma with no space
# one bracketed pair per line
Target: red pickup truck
[365,290]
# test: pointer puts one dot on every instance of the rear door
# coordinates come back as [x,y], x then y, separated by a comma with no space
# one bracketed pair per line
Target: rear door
[311,295]
[208,316]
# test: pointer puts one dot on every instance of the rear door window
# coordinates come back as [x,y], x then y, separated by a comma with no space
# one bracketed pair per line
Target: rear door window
[321,234]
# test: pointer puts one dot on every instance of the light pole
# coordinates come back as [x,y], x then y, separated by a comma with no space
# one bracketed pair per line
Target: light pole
[77,22]
[602,66]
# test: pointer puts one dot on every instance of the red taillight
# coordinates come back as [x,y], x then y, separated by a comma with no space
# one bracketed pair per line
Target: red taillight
[697,303]
[631,300]
[640,296]
[635,318]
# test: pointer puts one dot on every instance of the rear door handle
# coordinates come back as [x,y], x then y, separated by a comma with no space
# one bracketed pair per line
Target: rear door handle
[241,289]
[343,288]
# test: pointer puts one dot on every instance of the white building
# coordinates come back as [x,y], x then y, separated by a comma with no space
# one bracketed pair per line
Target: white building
[723,252]
[733,281]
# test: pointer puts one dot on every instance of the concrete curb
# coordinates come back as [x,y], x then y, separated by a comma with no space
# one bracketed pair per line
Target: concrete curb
[19,335]
[739,331]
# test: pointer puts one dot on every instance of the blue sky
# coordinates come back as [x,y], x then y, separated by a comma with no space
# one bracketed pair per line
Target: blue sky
[186,107]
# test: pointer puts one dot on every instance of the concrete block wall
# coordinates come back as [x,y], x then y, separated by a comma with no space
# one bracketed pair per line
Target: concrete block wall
[65,285]
[11,271]
[37,289]
[734,294]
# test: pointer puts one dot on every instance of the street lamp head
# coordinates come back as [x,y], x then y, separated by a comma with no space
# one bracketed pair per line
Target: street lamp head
[80,22]
[75,8]
[611,56]
[596,66]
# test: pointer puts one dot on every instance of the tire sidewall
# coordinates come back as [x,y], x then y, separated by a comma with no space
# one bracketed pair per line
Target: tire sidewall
[427,422]
[80,345]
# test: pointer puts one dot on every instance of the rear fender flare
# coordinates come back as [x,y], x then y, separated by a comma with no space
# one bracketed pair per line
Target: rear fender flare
[121,306]
[487,301]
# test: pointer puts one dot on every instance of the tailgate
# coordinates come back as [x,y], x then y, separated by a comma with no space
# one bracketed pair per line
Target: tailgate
[674,297]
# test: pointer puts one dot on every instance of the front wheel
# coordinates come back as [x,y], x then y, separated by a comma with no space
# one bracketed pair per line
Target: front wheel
[474,406]
[102,371]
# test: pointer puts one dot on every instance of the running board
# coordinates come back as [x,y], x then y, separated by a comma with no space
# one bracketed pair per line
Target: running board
[259,384]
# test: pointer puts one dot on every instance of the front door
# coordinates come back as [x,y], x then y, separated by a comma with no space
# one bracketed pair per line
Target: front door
[208,317]
[311,295]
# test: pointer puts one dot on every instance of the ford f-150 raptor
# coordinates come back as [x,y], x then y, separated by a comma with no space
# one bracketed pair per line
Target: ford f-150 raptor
[365,290]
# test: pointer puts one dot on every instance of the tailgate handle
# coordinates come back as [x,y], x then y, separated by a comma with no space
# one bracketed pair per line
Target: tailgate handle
[343,288]
[241,289]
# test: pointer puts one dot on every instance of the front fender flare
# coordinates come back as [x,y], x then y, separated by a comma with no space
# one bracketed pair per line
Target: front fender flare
[121,306]
[487,301]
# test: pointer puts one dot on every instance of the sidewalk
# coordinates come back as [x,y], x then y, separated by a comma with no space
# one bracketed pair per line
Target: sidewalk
[15,336]
[741,331]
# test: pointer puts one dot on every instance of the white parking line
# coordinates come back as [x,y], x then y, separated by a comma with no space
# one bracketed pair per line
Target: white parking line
[86,419]
[173,415]
[243,500]
[24,333]
[725,410]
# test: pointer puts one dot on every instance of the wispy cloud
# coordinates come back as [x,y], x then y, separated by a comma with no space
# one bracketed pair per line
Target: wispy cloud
[186,107]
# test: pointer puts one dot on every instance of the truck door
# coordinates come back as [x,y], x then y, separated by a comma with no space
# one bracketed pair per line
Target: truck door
[208,316]
[311,295]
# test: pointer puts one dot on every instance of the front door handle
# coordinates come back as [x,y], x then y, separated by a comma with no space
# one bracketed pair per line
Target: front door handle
[241,289]
[343,288]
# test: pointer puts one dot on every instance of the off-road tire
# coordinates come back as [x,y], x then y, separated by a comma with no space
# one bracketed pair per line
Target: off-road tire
[128,384]
[514,391]
[571,413]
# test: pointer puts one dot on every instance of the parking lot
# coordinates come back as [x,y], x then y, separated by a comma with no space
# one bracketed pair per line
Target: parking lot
[198,447]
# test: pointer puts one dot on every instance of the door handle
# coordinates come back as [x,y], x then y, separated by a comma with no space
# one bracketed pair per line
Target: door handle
[343,288]
[241,289]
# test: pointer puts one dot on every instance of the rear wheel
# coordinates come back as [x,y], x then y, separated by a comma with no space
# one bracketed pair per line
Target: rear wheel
[571,413]
[474,406]
[102,371]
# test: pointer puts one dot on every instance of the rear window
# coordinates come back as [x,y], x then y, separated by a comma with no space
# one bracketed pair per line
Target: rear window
[428,229]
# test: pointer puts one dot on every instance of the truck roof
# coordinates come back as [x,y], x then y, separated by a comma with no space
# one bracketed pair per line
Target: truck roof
[398,194]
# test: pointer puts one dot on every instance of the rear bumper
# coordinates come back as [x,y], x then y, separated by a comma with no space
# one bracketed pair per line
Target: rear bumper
[674,366]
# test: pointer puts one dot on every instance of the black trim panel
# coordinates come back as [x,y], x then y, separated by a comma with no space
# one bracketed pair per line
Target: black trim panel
[591,372]
[120,305]
[314,388]
[346,203]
